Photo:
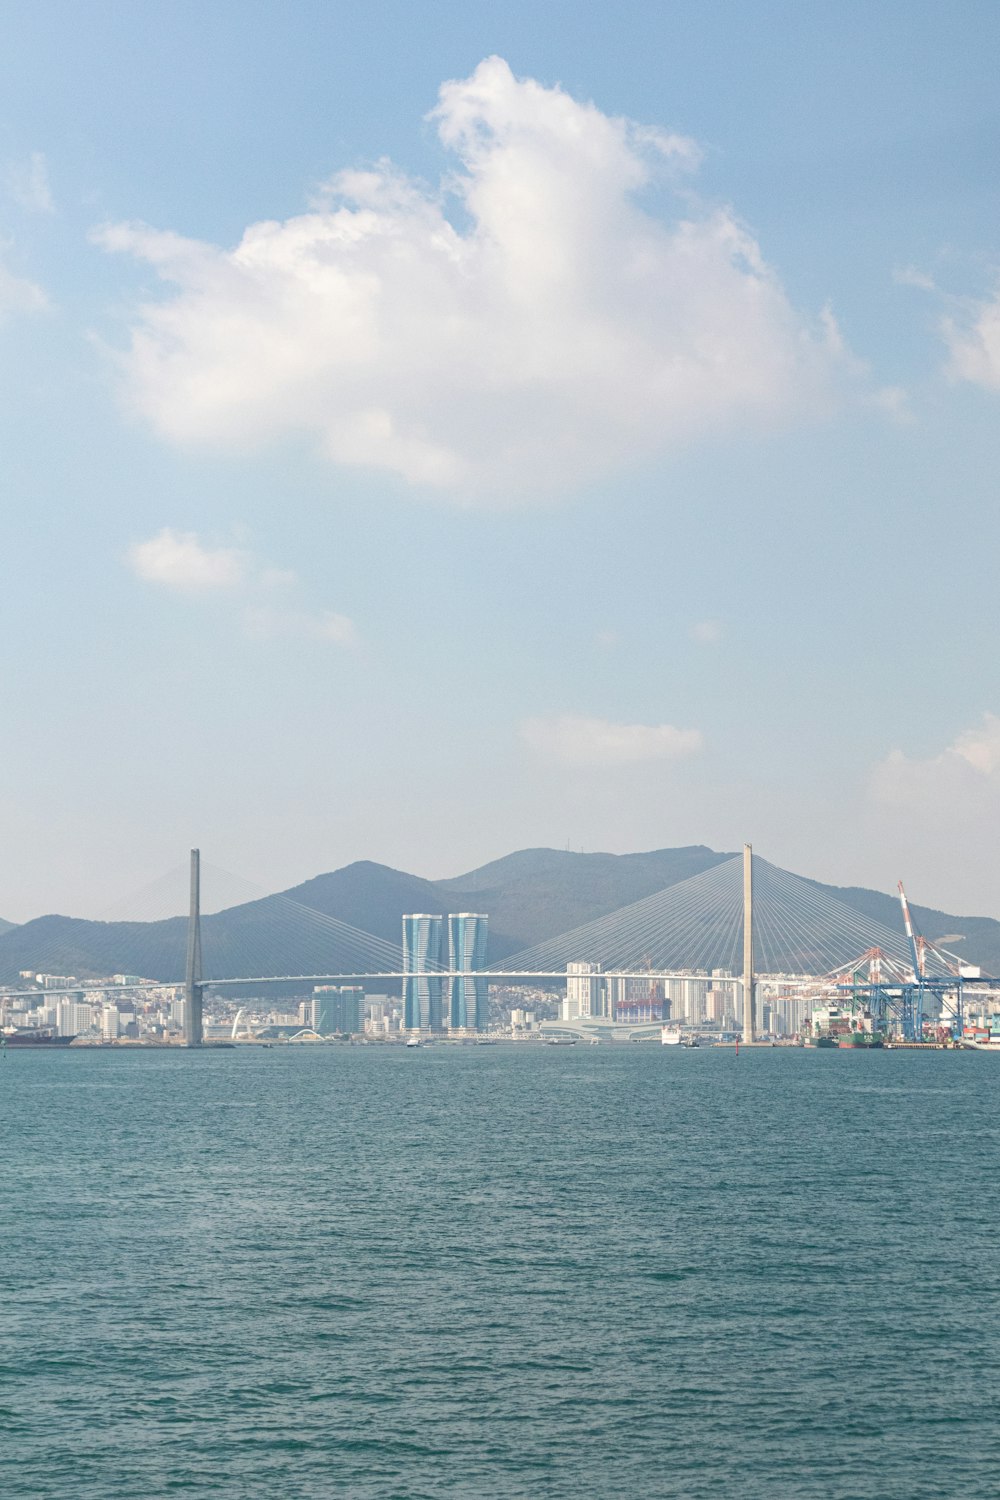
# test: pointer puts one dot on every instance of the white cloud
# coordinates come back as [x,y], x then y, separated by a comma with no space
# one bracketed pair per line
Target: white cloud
[974,343]
[964,770]
[278,578]
[912,276]
[706,632]
[526,327]
[18,295]
[27,182]
[179,560]
[267,623]
[580,741]
[939,816]
[894,402]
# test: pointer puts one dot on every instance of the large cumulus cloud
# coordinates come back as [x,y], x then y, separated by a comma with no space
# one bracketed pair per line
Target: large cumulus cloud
[524,326]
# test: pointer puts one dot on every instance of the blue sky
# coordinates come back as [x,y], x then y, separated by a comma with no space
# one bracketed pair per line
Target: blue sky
[430,430]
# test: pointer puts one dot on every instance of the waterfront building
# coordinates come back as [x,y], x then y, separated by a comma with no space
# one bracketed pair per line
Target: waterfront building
[351,1010]
[377,1017]
[569,1009]
[468,995]
[111,1023]
[422,987]
[73,1017]
[336,1009]
[788,1014]
[632,998]
[584,991]
[716,1002]
[694,1001]
[324,1001]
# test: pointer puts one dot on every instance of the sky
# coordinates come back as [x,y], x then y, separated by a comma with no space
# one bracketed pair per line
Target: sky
[428,431]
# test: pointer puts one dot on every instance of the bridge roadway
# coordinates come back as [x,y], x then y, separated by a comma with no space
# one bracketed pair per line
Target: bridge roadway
[799,981]
[497,975]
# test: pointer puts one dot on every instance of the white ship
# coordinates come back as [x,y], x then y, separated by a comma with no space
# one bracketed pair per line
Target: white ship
[670,1036]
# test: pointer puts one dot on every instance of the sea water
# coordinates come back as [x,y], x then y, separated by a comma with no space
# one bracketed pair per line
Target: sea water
[509,1272]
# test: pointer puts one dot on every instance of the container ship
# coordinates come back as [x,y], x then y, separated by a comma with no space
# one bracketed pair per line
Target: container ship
[982,1038]
[839,1026]
[861,1039]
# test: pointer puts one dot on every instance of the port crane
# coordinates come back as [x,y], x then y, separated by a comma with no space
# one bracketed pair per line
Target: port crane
[895,996]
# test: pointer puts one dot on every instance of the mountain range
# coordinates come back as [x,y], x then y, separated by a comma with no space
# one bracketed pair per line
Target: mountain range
[530,896]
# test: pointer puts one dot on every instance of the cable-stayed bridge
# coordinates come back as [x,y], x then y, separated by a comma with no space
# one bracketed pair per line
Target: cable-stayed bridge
[740,919]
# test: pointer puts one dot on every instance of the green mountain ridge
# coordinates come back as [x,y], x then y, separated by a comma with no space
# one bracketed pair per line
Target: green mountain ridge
[539,893]
[529,896]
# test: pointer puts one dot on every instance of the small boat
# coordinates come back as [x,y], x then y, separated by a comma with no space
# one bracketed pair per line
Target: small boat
[413,1041]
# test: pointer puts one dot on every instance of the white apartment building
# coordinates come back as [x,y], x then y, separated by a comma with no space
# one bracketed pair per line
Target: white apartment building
[584,991]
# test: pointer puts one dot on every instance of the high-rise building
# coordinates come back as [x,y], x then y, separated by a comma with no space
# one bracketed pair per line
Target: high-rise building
[73,1016]
[468,996]
[584,990]
[694,1000]
[324,1001]
[352,1008]
[422,986]
[634,998]
[336,1009]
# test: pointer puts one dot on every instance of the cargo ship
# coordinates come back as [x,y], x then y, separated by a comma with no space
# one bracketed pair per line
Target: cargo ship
[984,1037]
[34,1036]
[861,1039]
[842,1026]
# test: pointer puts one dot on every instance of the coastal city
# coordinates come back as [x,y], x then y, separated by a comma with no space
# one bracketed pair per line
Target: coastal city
[588,1006]
[441,985]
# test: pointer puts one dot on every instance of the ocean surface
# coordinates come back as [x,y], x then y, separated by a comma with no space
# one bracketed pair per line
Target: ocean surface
[500,1272]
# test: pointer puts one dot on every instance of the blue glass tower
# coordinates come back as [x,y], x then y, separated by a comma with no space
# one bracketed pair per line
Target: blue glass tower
[468,995]
[422,987]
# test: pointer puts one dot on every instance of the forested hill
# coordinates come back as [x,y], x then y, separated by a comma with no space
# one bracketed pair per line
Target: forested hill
[531,895]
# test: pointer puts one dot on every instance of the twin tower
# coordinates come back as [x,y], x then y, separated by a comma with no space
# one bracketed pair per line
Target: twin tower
[424,983]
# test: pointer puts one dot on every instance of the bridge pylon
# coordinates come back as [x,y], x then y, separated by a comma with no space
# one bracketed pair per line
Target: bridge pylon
[748,979]
[194,1033]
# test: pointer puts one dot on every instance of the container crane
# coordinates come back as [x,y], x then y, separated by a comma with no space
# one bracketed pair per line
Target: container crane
[948,990]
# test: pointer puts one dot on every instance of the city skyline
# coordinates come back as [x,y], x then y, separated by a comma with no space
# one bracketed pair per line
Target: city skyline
[588,418]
